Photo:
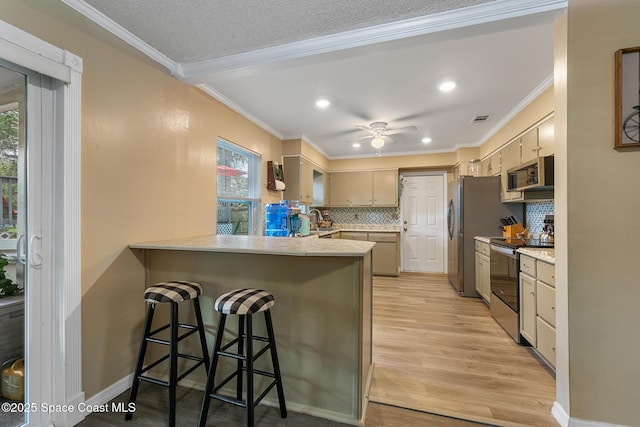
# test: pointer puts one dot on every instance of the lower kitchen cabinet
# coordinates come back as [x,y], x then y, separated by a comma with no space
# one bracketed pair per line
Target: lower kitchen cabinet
[483,271]
[386,252]
[538,306]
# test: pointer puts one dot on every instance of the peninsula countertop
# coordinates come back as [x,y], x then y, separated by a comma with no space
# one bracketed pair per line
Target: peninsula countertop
[263,245]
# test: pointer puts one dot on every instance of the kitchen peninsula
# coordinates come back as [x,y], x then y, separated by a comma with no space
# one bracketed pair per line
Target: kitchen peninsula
[322,316]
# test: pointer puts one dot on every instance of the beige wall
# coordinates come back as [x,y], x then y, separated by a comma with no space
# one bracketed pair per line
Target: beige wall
[601,261]
[535,111]
[148,172]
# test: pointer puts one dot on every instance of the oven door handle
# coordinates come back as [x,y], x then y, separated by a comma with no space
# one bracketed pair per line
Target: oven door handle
[505,251]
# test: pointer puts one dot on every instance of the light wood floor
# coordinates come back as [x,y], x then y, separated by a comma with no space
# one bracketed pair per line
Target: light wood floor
[437,352]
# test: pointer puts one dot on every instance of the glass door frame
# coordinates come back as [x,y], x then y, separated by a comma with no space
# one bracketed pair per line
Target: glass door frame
[55,377]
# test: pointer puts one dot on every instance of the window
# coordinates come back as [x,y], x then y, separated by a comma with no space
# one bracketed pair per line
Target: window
[238,174]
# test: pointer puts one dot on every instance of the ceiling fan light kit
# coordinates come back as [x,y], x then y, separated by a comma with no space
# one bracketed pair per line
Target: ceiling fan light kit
[380,134]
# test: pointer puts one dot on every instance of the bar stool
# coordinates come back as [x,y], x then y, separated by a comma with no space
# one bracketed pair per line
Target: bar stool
[244,303]
[173,293]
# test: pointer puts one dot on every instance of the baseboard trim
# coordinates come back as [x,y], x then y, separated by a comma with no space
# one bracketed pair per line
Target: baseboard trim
[560,414]
[565,420]
[110,392]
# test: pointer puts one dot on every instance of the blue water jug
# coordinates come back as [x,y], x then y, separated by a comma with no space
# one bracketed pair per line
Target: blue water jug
[276,217]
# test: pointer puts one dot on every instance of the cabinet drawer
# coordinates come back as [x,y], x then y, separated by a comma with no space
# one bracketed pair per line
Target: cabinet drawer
[528,265]
[546,273]
[353,235]
[546,341]
[383,237]
[546,302]
[485,249]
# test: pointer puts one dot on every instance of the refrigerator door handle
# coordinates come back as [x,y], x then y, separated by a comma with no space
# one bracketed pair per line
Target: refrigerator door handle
[450,222]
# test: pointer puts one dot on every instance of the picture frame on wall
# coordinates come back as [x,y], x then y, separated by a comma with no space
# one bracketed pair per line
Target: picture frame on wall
[627,98]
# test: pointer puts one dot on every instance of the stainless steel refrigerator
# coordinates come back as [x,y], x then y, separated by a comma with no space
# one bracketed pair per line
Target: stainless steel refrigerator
[474,209]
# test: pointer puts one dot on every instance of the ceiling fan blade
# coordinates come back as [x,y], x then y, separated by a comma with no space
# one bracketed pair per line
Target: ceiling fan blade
[401,130]
[363,137]
[367,128]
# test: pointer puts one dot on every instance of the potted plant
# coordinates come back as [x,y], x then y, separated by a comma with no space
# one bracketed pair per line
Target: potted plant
[7,287]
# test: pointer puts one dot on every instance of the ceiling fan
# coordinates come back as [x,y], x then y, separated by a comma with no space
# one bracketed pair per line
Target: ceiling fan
[381,134]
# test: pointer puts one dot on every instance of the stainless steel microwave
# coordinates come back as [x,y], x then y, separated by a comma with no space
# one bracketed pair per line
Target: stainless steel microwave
[536,175]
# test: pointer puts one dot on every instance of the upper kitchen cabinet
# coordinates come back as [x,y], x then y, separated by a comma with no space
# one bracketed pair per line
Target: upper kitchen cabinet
[491,166]
[351,188]
[528,147]
[546,137]
[305,181]
[510,155]
[385,187]
[364,188]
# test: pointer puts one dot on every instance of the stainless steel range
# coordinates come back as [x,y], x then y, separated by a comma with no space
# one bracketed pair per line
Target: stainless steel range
[505,279]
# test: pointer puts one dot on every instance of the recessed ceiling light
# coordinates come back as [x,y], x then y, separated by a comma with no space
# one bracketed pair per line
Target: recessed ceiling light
[426,140]
[447,86]
[323,103]
[356,145]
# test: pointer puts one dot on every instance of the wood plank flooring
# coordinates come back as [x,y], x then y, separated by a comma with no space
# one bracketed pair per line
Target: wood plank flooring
[437,352]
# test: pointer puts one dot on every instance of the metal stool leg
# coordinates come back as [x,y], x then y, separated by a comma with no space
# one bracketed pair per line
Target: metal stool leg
[239,366]
[143,349]
[249,364]
[204,409]
[203,338]
[276,364]
[173,361]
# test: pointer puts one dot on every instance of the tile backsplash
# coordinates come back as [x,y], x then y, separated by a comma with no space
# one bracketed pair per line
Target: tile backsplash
[389,216]
[535,213]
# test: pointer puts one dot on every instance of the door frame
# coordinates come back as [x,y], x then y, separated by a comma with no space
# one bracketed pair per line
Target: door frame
[444,213]
[61,352]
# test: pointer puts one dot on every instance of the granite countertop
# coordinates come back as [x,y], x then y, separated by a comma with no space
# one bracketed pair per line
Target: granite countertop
[546,254]
[263,245]
[486,239]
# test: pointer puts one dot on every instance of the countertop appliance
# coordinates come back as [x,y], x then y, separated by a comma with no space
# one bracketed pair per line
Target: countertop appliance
[505,281]
[474,210]
[536,175]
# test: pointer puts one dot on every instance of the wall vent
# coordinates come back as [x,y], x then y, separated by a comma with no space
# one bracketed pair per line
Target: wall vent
[481,118]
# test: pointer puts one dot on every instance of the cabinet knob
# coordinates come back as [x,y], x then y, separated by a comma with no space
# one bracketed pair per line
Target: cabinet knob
[553,308]
[554,349]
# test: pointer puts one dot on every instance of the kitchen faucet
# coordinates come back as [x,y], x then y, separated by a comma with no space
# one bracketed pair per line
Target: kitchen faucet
[318,215]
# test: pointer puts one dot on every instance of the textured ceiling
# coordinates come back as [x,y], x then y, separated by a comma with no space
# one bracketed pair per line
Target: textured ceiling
[195,30]
[376,60]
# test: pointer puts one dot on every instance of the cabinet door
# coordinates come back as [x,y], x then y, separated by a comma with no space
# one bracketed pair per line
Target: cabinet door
[340,189]
[306,181]
[529,146]
[385,261]
[546,137]
[293,178]
[479,270]
[528,308]
[493,167]
[385,188]
[361,188]
[486,278]
[510,157]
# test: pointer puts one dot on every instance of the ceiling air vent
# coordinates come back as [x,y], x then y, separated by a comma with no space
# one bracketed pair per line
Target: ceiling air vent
[481,118]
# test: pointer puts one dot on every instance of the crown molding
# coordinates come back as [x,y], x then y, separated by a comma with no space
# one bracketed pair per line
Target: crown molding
[125,35]
[473,15]
[238,109]
[544,85]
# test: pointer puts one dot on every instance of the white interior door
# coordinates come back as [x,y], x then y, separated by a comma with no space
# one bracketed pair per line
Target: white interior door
[423,222]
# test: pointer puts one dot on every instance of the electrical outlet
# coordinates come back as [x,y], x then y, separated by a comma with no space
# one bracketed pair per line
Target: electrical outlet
[357,216]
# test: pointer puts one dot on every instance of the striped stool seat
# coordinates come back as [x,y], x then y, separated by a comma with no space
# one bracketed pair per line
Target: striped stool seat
[175,291]
[244,301]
